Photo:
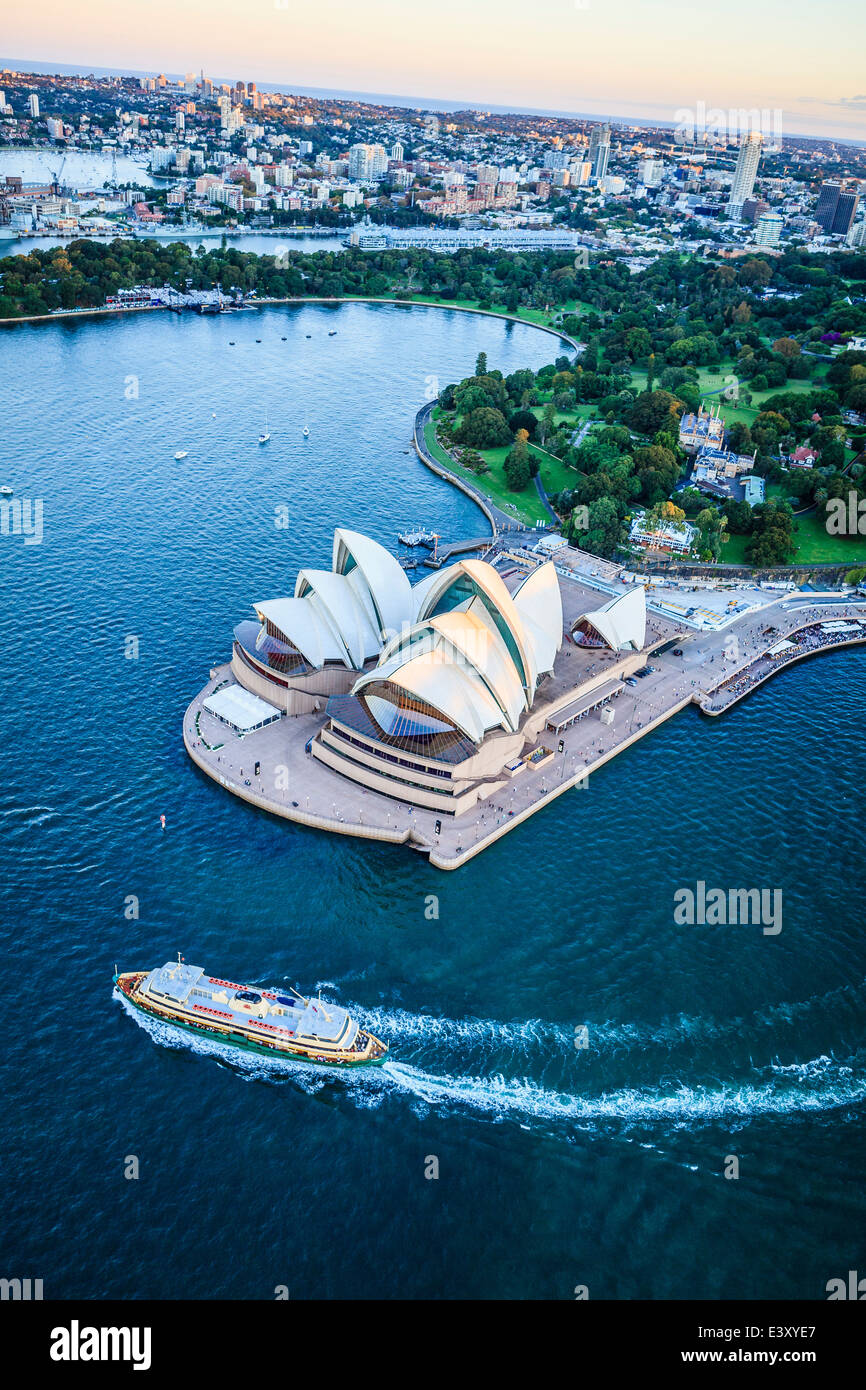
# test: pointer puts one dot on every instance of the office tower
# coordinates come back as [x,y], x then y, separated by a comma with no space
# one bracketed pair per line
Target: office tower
[846,209]
[828,202]
[33,105]
[367,162]
[599,150]
[746,171]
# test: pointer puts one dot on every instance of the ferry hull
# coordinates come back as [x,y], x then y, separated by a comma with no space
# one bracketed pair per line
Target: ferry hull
[126,985]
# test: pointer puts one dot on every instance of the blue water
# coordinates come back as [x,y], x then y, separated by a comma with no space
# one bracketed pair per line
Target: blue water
[262,245]
[558,1166]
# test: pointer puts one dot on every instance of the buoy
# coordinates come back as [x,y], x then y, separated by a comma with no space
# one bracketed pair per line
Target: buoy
[162,821]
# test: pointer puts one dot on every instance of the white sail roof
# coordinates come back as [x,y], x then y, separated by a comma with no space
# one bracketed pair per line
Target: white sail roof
[462,581]
[539,603]
[302,626]
[387,585]
[621,623]
[344,614]
[474,654]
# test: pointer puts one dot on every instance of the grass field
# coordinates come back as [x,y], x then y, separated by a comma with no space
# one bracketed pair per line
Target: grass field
[814,546]
[714,381]
[555,475]
[523,506]
[538,317]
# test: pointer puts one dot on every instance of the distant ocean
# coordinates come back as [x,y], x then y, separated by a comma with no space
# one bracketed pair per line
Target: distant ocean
[414,103]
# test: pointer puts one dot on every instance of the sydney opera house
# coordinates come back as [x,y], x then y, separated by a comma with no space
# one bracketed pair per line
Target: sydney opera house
[429,693]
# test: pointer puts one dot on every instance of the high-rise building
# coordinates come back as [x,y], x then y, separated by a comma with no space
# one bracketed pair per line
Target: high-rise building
[752,209]
[828,201]
[857,234]
[651,171]
[746,172]
[768,229]
[599,150]
[33,105]
[846,209]
[179,120]
[367,162]
[397,151]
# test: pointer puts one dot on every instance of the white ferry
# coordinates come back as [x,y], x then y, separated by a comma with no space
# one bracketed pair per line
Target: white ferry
[270,1022]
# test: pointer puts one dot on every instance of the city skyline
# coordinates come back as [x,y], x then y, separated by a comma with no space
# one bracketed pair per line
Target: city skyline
[772,59]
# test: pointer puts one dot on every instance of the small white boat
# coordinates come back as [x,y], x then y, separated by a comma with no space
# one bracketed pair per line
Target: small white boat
[265,434]
[6,490]
[306,432]
[182,453]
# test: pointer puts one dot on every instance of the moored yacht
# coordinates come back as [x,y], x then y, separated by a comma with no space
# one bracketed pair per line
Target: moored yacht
[277,1022]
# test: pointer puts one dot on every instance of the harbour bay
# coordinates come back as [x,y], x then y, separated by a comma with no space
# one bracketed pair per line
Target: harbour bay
[558,1165]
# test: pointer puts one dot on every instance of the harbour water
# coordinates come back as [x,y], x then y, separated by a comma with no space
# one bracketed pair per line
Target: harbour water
[558,1164]
[264,244]
[84,169]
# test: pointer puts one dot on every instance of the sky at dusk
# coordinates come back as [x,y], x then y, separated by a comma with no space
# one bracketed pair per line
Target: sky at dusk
[606,57]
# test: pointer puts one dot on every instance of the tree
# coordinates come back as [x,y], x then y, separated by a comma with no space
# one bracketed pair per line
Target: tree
[483,428]
[650,371]
[654,411]
[755,274]
[524,420]
[517,463]
[604,531]
[481,364]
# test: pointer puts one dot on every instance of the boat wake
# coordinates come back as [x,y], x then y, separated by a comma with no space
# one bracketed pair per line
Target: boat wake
[821,1084]
[818,1085]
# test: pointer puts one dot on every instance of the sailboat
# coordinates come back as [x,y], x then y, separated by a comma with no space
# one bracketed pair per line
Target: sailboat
[265,434]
